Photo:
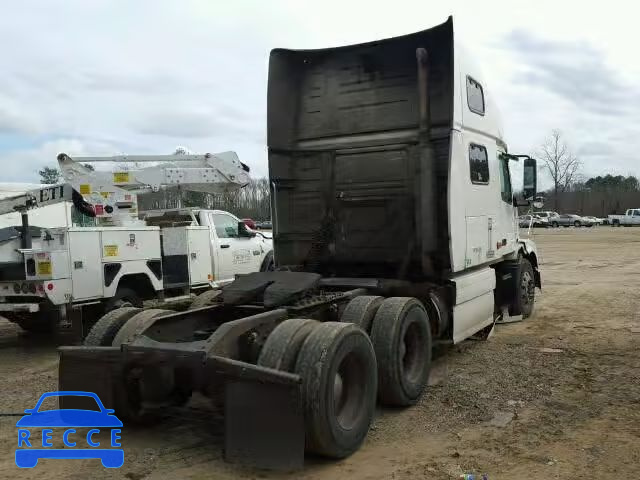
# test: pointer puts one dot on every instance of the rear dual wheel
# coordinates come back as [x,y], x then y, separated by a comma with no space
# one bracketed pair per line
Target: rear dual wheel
[155,386]
[337,365]
[401,337]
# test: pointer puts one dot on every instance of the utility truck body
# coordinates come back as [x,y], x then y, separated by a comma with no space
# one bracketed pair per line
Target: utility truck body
[394,227]
[66,275]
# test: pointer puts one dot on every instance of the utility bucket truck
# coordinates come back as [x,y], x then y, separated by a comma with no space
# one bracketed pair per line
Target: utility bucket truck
[71,276]
[394,229]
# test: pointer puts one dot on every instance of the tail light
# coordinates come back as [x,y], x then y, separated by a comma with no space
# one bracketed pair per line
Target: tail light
[49,286]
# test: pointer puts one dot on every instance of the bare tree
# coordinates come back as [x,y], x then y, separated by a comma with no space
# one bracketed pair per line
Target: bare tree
[561,165]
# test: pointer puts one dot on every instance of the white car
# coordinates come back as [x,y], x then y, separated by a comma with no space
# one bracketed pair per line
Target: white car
[594,220]
[548,215]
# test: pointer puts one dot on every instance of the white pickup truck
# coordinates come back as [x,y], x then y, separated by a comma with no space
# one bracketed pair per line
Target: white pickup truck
[629,219]
[70,271]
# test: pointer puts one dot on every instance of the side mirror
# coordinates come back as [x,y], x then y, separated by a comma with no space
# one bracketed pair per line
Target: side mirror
[530,179]
[243,231]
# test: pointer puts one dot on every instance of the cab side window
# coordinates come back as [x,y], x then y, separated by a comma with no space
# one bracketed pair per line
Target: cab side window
[475,96]
[505,181]
[226,226]
[478,164]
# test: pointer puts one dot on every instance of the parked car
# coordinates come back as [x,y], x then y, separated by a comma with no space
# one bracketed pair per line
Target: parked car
[266,225]
[630,218]
[570,219]
[594,220]
[249,223]
[525,220]
[547,214]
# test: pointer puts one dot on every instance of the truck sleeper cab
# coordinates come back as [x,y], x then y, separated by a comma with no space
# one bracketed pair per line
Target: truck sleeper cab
[394,228]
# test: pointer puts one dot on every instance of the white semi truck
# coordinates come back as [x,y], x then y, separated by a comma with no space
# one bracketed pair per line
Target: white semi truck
[394,229]
[69,276]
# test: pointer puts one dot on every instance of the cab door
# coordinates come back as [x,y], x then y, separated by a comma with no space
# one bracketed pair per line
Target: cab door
[507,229]
[236,253]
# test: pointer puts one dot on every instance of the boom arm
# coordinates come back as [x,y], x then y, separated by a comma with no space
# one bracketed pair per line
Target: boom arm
[113,194]
[208,173]
[40,197]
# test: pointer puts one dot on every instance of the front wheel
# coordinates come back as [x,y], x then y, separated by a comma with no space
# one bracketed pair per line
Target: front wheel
[525,291]
[577,224]
[555,224]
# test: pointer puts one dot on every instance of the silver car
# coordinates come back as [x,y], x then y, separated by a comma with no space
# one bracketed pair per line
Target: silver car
[569,220]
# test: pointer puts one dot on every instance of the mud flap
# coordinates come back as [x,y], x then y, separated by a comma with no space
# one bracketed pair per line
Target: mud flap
[506,318]
[92,369]
[264,423]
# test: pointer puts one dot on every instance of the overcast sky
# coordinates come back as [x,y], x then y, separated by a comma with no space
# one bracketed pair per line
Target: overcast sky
[123,76]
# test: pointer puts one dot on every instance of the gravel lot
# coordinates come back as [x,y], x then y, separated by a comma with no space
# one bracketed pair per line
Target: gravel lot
[557,396]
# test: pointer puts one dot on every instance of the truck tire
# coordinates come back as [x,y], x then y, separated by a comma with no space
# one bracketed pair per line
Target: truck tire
[140,320]
[401,337]
[205,299]
[124,297]
[268,264]
[525,290]
[361,310]
[338,369]
[283,344]
[106,328]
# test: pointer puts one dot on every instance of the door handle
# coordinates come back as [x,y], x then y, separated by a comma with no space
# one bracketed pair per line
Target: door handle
[225,246]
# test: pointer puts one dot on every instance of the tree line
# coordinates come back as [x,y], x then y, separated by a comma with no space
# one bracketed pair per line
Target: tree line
[571,192]
[252,201]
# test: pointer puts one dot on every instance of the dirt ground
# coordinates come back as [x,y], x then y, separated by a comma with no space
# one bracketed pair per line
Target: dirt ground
[554,397]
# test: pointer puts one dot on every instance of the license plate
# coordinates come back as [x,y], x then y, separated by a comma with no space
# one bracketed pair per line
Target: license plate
[44,268]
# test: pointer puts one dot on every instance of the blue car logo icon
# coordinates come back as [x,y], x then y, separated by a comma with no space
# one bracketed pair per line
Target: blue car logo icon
[29,452]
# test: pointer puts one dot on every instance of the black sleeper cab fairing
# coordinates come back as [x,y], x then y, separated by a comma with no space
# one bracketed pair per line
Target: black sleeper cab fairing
[358,142]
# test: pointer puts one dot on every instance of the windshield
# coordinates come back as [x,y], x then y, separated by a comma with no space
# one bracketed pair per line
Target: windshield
[79,402]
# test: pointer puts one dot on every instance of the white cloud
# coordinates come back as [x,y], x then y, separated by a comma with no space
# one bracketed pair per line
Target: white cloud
[145,76]
[23,165]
